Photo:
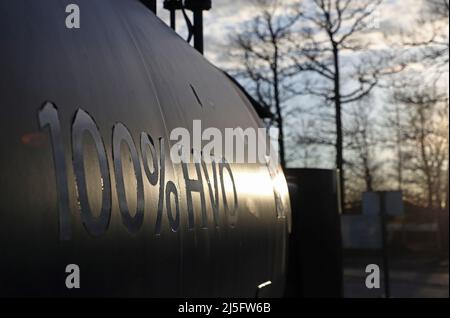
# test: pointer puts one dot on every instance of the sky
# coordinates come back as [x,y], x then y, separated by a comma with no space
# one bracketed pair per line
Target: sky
[227,17]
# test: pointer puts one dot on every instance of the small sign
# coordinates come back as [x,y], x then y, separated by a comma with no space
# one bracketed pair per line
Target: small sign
[370,203]
[393,202]
[361,231]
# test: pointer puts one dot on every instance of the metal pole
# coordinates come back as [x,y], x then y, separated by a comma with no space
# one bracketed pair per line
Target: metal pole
[173,19]
[197,7]
[383,217]
[198,30]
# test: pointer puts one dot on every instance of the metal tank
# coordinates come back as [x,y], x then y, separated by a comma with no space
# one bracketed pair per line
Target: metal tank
[85,172]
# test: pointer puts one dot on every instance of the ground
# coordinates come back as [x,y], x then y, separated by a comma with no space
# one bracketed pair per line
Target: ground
[411,277]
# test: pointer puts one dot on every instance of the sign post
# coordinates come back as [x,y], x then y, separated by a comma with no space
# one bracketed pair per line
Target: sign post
[384,246]
[384,204]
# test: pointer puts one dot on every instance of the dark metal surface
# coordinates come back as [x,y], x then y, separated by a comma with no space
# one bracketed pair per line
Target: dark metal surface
[315,257]
[81,110]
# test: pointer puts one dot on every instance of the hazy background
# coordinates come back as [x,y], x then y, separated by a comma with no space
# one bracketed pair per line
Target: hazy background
[403,42]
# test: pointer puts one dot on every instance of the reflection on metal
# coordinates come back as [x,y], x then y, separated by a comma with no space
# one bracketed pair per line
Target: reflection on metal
[84,124]
[97,188]
[260,288]
[48,117]
[122,136]
[264,284]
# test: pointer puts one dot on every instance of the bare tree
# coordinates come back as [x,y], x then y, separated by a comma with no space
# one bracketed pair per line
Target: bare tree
[331,28]
[307,142]
[362,144]
[428,45]
[393,138]
[426,144]
[431,35]
[262,47]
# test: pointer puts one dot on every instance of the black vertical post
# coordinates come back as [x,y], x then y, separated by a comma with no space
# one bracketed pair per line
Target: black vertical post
[197,7]
[151,4]
[173,19]
[198,30]
[384,221]
[172,6]
[315,244]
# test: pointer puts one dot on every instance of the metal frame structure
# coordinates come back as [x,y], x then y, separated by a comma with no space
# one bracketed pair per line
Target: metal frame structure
[195,27]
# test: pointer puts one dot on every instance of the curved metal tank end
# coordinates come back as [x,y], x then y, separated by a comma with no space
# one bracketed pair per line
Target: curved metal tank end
[86,172]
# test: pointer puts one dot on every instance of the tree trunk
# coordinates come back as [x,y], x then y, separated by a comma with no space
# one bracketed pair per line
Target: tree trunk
[426,165]
[368,179]
[278,109]
[399,149]
[447,186]
[339,140]
[280,137]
